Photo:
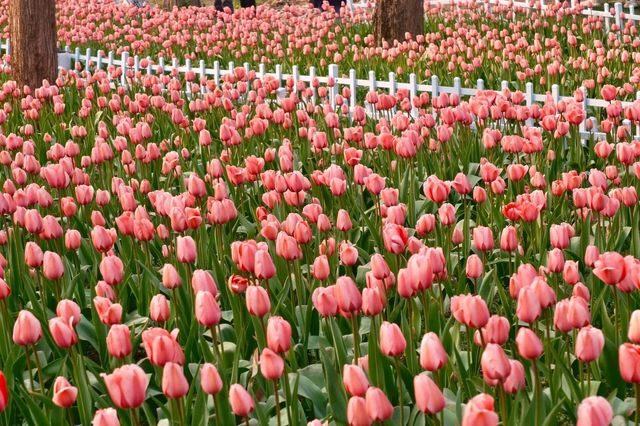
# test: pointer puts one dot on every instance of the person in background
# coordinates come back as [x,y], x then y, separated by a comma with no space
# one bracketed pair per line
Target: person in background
[221,4]
[335,3]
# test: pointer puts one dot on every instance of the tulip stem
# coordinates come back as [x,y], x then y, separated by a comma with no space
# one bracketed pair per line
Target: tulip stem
[503,404]
[397,362]
[39,367]
[637,404]
[275,394]
[134,417]
[356,338]
[538,394]
[27,356]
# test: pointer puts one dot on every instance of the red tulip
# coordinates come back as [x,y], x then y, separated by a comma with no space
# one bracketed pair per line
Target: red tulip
[4,392]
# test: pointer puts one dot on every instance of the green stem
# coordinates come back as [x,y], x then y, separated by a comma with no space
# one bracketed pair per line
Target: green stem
[275,393]
[399,378]
[538,393]
[356,339]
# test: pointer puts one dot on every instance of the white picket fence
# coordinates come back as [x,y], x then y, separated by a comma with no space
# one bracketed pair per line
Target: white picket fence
[618,17]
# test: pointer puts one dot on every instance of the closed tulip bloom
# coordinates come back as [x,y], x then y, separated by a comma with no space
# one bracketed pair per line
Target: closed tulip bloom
[429,397]
[159,310]
[482,238]
[629,362]
[594,411]
[474,267]
[33,255]
[470,310]
[347,295]
[72,239]
[127,386]
[64,395]
[589,344]
[27,329]
[210,380]
[321,268]
[257,300]
[354,380]
[162,347]
[432,354]
[392,341]
[379,408]
[170,277]
[207,310]
[555,260]
[62,332]
[528,309]
[264,267]
[357,414]
[109,313]
[119,341]
[372,301]
[69,310]
[495,364]
[52,266]
[105,417]
[203,281]
[174,383]
[591,256]
[271,364]
[509,239]
[241,402]
[479,411]
[571,272]
[516,379]
[610,268]
[324,301]
[4,392]
[496,330]
[634,327]
[186,250]
[278,334]
[528,343]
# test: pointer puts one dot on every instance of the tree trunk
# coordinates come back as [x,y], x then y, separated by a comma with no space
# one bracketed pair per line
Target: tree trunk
[34,53]
[394,18]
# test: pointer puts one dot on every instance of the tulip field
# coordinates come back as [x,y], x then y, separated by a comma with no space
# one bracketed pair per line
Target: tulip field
[178,249]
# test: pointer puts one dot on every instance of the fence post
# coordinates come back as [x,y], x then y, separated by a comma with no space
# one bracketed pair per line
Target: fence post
[76,57]
[585,105]
[312,76]
[528,98]
[457,86]
[607,18]
[149,67]
[435,86]
[123,66]
[480,84]
[99,61]
[333,74]
[216,72]
[353,87]
[110,59]
[373,87]
[247,67]
[262,70]
[161,65]
[618,8]
[295,73]
[555,93]
[393,87]
[413,93]
[136,64]
[203,77]
[87,58]
[187,64]
[504,85]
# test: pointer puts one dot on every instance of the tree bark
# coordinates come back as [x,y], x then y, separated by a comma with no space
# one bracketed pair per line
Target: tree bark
[394,18]
[34,53]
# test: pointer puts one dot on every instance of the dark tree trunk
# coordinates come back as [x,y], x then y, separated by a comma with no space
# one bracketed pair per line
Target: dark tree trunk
[182,3]
[394,18]
[34,53]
